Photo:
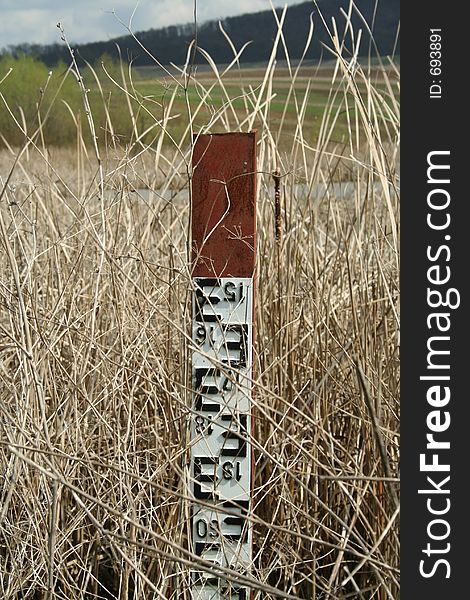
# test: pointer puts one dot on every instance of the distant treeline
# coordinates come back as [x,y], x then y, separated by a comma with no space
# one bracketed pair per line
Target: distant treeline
[170,44]
[47,106]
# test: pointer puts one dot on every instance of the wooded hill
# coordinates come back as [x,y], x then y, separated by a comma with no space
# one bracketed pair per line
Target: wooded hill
[170,44]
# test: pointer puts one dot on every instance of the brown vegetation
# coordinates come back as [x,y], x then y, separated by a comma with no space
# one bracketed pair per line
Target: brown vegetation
[94,311]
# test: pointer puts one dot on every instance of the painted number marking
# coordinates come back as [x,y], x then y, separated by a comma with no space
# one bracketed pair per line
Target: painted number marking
[221,464]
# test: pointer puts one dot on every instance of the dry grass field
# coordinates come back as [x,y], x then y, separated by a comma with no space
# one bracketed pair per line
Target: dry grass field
[95,288]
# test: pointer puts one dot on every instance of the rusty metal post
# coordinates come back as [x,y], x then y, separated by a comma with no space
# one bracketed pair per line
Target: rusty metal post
[223,255]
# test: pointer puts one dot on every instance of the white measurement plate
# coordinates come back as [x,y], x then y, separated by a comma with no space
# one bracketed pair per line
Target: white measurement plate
[221,455]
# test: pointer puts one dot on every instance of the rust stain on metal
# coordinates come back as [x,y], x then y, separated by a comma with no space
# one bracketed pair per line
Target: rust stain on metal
[223,205]
[277,203]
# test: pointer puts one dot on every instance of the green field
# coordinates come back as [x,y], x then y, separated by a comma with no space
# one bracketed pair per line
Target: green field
[135,105]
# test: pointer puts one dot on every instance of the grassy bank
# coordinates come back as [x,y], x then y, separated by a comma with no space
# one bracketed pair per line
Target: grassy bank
[94,290]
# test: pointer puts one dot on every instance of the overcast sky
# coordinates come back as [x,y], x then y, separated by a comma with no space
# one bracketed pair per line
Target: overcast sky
[34,21]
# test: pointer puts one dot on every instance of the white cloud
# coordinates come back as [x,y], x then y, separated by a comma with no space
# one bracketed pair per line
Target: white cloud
[34,21]
[153,15]
[28,25]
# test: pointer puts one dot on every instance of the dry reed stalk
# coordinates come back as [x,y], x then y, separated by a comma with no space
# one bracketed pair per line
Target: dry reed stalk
[94,293]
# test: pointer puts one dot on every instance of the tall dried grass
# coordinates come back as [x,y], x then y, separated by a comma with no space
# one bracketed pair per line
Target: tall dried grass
[94,404]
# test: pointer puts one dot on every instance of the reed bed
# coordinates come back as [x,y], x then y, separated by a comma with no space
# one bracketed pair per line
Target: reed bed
[95,285]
